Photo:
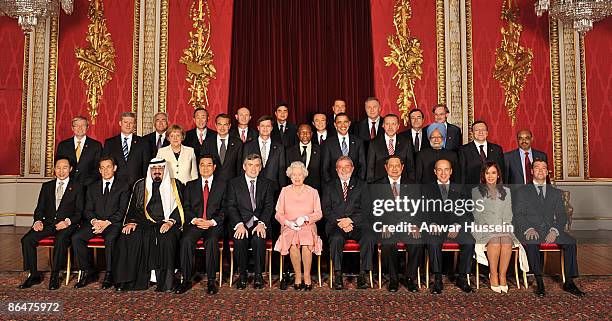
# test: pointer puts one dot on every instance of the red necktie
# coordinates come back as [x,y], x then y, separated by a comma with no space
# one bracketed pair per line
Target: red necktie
[373,130]
[205,198]
[201,138]
[242,136]
[527,169]
[483,157]
[321,140]
[390,148]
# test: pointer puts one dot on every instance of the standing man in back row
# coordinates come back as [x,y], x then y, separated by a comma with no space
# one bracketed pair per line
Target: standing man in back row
[82,151]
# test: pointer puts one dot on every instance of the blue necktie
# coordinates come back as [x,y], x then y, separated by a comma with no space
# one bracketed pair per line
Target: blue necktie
[345,149]
[125,148]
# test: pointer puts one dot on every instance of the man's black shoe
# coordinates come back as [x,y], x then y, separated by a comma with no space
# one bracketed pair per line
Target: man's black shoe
[33,279]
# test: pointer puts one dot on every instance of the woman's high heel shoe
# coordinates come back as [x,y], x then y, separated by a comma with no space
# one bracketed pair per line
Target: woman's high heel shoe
[503,288]
[298,287]
[497,288]
[308,287]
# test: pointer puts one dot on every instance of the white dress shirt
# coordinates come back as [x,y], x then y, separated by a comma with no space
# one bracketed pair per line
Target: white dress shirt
[209,180]
[129,141]
[308,151]
[83,142]
[387,138]
[484,146]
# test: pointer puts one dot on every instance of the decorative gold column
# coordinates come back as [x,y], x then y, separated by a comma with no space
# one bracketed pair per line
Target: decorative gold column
[553,29]
[441,52]
[569,104]
[585,113]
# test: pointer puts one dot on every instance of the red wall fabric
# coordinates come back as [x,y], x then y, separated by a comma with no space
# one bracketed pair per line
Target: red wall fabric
[422,26]
[179,26]
[71,98]
[11,89]
[535,107]
[598,49]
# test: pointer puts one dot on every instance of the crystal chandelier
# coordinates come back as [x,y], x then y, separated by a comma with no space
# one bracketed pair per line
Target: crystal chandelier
[579,13]
[28,12]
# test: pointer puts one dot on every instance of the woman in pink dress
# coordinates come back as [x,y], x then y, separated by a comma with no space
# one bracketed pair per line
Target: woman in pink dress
[297,210]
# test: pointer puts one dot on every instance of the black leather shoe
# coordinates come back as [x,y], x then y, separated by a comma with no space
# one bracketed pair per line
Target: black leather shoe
[411,286]
[107,283]
[119,287]
[462,283]
[540,288]
[86,278]
[570,287]
[438,286]
[54,282]
[338,283]
[33,279]
[242,282]
[284,284]
[393,285]
[362,281]
[212,287]
[258,281]
[182,287]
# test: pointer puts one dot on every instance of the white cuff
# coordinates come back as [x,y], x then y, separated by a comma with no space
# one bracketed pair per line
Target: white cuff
[193,220]
[236,227]
[262,223]
[214,222]
[37,222]
[552,229]
[92,221]
[67,220]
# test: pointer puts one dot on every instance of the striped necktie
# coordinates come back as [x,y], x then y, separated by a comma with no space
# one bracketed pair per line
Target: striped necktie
[125,149]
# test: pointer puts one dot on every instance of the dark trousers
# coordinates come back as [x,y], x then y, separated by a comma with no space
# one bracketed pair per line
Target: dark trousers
[30,240]
[389,255]
[466,251]
[566,242]
[83,235]
[191,235]
[367,241]
[257,244]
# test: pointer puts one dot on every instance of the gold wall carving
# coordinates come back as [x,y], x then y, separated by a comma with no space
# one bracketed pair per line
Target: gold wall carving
[37,100]
[571,108]
[135,56]
[441,51]
[163,56]
[585,113]
[557,128]
[470,66]
[24,103]
[455,105]
[51,97]
[149,66]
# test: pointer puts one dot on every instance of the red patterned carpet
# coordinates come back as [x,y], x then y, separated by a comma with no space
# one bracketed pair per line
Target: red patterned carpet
[320,304]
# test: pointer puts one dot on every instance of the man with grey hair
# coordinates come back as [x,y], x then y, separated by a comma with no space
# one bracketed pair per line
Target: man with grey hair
[157,139]
[82,151]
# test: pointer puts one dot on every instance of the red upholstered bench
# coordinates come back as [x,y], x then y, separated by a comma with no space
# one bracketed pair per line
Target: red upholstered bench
[350,246]
[401,247]
[200,246]
[268,260]
[49,242]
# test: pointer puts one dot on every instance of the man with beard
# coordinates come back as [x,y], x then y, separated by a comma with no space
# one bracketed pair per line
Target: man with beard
[151,234]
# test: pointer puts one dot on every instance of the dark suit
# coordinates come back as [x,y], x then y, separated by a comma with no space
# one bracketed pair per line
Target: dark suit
[424,141]
[383,190]
[471,165]
[85,171]
[513,172]
[251,133]
[531,211]
[274,168]
[71,207]
[362,130]
[138,160]
[99,206]
[315,136]
[447,218]
[379,152]
[454,139]
[334,207]
[426,161]
[192,140]
[239,210]
[314,164]
[232,164]
[332,150]
[193,205]
[288,138]
[151,140]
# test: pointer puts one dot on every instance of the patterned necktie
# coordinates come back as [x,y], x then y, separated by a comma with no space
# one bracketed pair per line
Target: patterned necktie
[344,146]
[78,151]
[303,155]
[205,198]
[394,190]
[222,150]
[345,190]
[390,148]
[243,135]
[417,142]
[373,130]
[264,152]
[527,169]
[159,142]
[59,192]
[483,157]
[201,138]
[252,194]
[125,149]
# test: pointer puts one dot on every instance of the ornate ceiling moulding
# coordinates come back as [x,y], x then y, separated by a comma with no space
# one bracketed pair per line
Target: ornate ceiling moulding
[406,55]
[96,61]
[513,61]
[198,57]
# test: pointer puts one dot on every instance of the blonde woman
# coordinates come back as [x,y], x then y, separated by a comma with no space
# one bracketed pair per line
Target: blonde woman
[180,159]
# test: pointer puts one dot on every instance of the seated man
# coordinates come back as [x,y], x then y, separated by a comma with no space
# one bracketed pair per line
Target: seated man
[249,203]
[343,201]
[57,213]
[540,217]
[150,237]
[390,188]
[204,214]
[446,225]
[105,206]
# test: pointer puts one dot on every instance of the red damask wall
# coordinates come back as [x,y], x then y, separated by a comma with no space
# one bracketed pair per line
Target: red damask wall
[598,50]
[11,79]
[535,108]
[422,26]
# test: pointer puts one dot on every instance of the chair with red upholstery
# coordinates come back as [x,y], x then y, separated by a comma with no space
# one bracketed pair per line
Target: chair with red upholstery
[49,242]
[401,247]
[447,247]
[200,246]
[515,252]
[350,246]
[268,260]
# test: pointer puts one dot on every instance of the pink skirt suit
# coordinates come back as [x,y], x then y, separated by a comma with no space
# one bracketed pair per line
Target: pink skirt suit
[290,206]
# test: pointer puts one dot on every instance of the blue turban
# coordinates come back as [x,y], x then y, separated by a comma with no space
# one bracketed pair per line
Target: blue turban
[441,128]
